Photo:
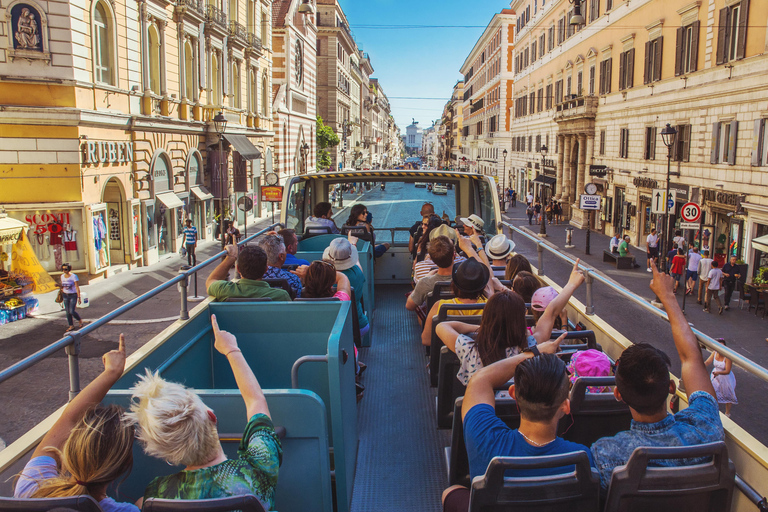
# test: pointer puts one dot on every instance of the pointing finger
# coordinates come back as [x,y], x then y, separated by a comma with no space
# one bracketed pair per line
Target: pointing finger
[215,324]
[121,344]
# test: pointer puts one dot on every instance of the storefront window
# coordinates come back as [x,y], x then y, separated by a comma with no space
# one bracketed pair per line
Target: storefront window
[209,212]
[56,236]
[164,221]
[151,228]
[100,239]
[182,214]
[761,257]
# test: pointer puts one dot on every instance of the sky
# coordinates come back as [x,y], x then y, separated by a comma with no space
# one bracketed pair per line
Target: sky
[411,57]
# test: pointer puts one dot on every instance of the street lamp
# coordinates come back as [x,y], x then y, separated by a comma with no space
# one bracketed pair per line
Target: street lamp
[503,177]
[220,124]
[543,229]
[668,137]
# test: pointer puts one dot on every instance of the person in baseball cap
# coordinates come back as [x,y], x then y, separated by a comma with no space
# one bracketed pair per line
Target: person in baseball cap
[539,302]
[472,224]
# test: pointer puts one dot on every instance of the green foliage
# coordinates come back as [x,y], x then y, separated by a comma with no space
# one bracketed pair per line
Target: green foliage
[761,277]
[326,138]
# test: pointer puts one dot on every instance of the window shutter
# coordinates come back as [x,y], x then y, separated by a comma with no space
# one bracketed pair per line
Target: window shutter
[224,69]
[732,139]
[722,34]
[647,68]
[676,156]
[609,66]
[695,28]
[630,81]
[756,142]
[687,129]
[201,56]
[657,63]
[647,148]
[622,69]
[679,51]
[715,143]
[741,44]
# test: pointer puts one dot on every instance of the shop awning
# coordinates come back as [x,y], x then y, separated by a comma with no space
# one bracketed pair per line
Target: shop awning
[201,192]
[760,243]
[243,146]
[10,230]
[545,180]
[169,199]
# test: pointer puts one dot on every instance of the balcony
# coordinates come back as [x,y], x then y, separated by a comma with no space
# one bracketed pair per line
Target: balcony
[195,5]
[576,107]
[238,32]
[216,16]
[253,41]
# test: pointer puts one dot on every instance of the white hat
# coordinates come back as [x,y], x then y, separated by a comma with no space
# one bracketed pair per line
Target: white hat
[341,253]
[474,221]
[499,247]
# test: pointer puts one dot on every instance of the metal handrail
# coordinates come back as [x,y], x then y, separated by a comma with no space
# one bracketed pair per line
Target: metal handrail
[590,275]
[71,341]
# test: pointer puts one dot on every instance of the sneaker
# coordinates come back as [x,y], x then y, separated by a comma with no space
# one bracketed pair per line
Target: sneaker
[705,310]
[727,308]
[648,270]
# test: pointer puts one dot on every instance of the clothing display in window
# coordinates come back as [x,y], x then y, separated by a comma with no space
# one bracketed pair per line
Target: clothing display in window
[70,243]
[114,225]
[99,239]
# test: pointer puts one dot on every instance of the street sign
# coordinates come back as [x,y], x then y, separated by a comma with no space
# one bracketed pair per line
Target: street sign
[271,194]
[587,202]
[691,212]
[689,225]
[598,170]
[659,198]
[245,204]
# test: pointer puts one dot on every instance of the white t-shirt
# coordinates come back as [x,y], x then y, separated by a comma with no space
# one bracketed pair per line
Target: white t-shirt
[693,261]
[466,351]
[652,240]
[705,265]
[715,276]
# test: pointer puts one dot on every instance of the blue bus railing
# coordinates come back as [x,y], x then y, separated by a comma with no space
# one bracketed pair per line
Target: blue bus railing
[72,341]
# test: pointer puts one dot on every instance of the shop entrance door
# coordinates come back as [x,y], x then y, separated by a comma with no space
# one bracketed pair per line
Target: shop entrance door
[115,200]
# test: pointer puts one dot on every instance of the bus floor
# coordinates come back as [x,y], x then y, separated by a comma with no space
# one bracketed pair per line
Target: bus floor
[400,464]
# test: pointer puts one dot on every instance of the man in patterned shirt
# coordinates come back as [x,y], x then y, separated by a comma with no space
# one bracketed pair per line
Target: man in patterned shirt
[175,425]
[643,383]
[273,245]
[190,240]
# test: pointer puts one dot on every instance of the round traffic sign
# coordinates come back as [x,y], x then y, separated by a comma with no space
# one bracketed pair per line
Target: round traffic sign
[691,212]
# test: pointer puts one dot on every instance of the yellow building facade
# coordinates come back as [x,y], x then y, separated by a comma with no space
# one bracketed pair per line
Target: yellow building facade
[106,137]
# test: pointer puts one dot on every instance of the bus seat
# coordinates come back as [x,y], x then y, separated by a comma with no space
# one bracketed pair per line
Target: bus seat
[701,487]
[357,231]
[442,290]
[312,231]
[577,491]
[448,387]
[244,503]
[355,317]
[304,481]
[457,458]
[82,503]
[248,299]
[595,415]
[281,283]
[587,338]
[436,343]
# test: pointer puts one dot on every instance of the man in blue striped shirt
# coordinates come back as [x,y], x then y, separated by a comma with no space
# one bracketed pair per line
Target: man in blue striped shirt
[190,240]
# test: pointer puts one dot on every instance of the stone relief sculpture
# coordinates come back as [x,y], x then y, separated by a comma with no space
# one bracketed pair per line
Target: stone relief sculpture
[27,34]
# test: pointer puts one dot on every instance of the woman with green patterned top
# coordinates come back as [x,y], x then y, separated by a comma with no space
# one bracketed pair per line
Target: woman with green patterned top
[175,425]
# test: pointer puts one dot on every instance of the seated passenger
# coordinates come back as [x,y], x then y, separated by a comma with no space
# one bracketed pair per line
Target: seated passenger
[343,255]
[526,284]
[469,282]
[590,363]
[417,230]
[473,225]
[540,301]
[359,216]
[502,331]
[541,391]
[291,247]
[91,442]
[441,252]
[274,247]
[251,263]
[424,267]
[516,264]
[498,251]
[320,277]
[173,424]
[433,222]
[643,383]
[323,217]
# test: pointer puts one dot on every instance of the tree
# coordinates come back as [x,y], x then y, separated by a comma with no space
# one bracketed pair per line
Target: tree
[326,138]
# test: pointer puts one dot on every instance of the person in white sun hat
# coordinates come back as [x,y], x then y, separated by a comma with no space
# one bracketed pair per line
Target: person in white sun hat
[498,249]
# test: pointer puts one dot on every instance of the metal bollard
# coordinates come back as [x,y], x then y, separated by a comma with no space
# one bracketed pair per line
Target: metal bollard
[73,359]
[569,238]
[184,313]
[540,250]
[588,279]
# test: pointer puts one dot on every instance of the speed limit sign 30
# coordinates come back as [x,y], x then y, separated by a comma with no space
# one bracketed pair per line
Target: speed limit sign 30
[691,212]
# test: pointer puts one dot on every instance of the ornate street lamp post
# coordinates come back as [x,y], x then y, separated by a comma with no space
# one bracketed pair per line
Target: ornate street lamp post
[543,229]
[668,135]
[220,124]
[504,179]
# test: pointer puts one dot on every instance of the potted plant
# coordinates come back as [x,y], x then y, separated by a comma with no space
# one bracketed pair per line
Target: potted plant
[761,278]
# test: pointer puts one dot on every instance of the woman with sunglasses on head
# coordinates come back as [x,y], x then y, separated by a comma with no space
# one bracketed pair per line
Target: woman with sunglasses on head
[359,216]
[70,290]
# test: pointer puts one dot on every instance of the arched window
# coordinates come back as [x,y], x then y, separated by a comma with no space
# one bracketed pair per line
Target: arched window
[189,72]
[103,45]
[215,81]
[254,86]
[236,94]
[154,60]
[264,95]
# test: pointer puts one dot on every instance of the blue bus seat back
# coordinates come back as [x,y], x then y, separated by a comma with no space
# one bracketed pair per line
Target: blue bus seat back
[82,503]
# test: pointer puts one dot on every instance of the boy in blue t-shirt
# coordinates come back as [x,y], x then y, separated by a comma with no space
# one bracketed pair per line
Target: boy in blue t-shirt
[541,391]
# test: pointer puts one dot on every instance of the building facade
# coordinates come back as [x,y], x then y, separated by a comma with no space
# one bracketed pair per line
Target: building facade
[488,80]
[600,98]
[413,136]
[107,143]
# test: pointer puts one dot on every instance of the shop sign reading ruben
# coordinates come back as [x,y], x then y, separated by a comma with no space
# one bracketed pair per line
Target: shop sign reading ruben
[108,152]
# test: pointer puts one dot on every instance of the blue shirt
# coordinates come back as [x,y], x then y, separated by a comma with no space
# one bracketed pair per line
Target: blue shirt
[278,273]
[486,437]
[697,424]
[190,235]
[291,259]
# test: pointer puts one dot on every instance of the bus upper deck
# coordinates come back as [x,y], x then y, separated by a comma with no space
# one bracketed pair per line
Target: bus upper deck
[386,452]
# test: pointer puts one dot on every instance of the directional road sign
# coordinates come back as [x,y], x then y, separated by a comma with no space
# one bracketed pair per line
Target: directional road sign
[691,212]
[587,202]
[659,198]
[689,225]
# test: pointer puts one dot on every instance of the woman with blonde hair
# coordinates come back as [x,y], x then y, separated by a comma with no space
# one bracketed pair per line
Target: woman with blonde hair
[88,447]
[175,425]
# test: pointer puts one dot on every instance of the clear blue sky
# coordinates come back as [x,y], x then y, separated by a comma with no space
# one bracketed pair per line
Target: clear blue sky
[412,60]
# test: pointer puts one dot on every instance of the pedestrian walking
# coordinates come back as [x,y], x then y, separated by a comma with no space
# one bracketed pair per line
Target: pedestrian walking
[723,379]
[678,268]
[529,211]
[731,274]
[514,198]
[692,272]
[529,198]
[652,247]
[70,290]
[190,240]
[537,211]
[705,265]
[713,288]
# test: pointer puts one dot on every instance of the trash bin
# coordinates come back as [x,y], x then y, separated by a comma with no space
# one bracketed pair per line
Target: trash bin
[569,237]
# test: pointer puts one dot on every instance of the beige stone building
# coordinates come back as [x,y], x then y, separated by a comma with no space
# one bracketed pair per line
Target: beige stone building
[487,94]
[599,96]
[106,129]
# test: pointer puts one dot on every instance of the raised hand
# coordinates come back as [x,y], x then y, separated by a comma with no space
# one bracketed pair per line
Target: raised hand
[232,251]
[551,346]
[301,271]
[114,360]
[661,284]
[577,276]
[225,342]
